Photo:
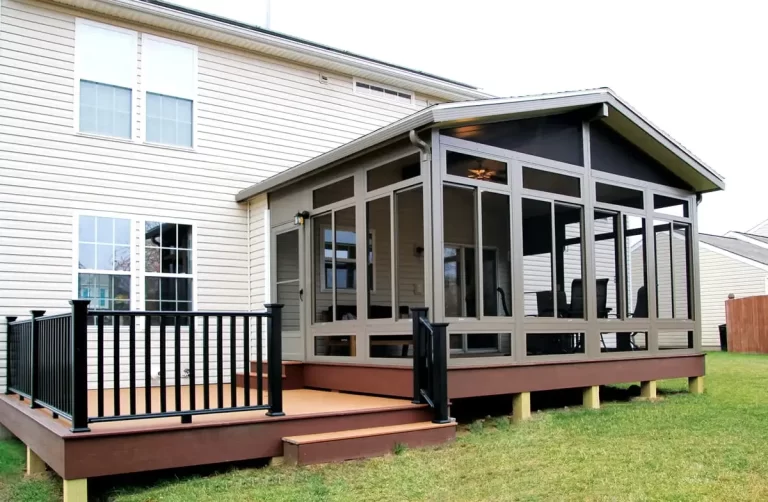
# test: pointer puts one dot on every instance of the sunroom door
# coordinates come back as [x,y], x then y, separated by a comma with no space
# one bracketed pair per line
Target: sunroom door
[288,289]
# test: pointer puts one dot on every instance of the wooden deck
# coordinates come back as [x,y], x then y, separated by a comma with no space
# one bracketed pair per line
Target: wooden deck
[296,403]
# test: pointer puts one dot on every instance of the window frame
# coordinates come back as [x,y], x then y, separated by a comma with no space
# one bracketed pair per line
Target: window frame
[138,255]
[192,97]
[324,260]
[78,78]
[165,275]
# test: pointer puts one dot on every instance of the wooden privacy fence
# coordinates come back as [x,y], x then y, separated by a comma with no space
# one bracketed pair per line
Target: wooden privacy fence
[747,321]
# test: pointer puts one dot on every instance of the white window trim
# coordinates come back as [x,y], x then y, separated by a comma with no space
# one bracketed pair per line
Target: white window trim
[138,255]
[323,288]
[193,98]
[355,80]
[134,86]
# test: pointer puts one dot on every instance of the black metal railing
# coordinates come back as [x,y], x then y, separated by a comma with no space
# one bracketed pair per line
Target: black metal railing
[136,376]
[430,364]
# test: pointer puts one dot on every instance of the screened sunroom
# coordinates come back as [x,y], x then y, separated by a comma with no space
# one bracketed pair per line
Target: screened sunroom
[550,229]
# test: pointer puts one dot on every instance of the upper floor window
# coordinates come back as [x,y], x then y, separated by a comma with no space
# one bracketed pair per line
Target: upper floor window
[169,77]
[106,71]
[383,92]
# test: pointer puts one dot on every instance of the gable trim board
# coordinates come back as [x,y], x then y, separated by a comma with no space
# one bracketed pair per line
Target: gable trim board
[757,240]
[625,121]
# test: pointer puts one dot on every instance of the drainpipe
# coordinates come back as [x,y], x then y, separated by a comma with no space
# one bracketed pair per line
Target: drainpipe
[426,151]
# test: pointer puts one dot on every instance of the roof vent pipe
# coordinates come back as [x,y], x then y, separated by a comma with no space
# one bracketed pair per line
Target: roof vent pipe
[426,152]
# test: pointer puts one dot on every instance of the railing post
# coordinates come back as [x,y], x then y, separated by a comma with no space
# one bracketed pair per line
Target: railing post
[418,351]
[440,373]
[8,321]
[79,360]
[33,381]
[275,359]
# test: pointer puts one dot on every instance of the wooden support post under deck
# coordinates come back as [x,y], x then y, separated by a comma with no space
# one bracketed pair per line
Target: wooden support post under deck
[696,385]
[75,490]
[521,406]
[5,433]
[591,399]
[648,389]
[35,464]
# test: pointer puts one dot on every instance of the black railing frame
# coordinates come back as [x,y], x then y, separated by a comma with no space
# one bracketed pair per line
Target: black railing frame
[78,358]
[430,364]
[8,321]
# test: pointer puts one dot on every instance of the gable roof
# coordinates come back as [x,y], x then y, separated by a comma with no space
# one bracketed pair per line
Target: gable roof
[198,24]
[621,117]
[738,247]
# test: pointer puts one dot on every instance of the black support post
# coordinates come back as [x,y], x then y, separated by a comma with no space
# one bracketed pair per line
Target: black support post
[35,360]
[79,358]
[275,359]
[440,373]
[8,321]
[418,351]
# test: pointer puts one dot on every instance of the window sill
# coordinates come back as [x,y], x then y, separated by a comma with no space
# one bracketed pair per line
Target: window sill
[105,138]
[171,147]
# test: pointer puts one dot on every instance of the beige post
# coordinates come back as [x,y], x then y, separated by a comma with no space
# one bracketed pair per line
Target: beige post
[648,389]
[696,385]
[521,406]
[35,464]
[592,397]
[75,490]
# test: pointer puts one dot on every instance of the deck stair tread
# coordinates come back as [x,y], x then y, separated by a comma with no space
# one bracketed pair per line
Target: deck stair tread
[361,433]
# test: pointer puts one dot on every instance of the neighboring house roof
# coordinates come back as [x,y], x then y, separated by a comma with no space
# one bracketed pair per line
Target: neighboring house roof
[194,23]
[620,117]
[756,237]
[738,247]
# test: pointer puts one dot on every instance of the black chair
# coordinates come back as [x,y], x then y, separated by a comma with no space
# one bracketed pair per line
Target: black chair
[626,341]
[545,304]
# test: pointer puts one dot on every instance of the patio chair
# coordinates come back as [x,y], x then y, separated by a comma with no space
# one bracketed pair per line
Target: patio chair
[626,341]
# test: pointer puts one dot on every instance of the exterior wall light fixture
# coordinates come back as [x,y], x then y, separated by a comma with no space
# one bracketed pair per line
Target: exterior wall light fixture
[299,218]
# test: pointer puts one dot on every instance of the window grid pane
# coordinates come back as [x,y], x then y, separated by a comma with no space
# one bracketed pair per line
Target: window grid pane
[105,109]
[169,120]
[103,243]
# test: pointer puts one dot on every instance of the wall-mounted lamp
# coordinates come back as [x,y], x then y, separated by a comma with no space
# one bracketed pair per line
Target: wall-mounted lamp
[300,217]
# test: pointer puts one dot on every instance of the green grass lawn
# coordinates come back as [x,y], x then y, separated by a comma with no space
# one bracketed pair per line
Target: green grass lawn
[680,447]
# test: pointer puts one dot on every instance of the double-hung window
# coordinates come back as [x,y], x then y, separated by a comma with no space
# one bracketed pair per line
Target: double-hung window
[104,262]
[169,77]
[106,77]
[168,266]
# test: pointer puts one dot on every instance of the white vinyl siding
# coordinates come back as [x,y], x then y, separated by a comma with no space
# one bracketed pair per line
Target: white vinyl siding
[256,116]
[722,275]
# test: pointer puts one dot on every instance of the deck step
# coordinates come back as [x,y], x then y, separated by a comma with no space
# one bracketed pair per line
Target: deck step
[293,375]
[363,443]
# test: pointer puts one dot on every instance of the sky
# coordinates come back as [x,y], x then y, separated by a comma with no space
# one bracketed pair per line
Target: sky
[696,69]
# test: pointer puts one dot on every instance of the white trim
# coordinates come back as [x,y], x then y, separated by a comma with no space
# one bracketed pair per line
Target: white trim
[267,257]
[134,81]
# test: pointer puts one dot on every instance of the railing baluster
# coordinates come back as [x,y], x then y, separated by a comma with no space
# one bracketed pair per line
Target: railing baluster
[219,362]
[177,361]
[246,362]
[233,361]
[192,389]
[34,370]
[440,373]
[162,364]
[416,314]
[259,363]
[132,362]
[116,363]
[147,364]
[9,372]
[100,363]
[206,365]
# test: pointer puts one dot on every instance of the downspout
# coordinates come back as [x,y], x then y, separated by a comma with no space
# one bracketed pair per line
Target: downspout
[424,148]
